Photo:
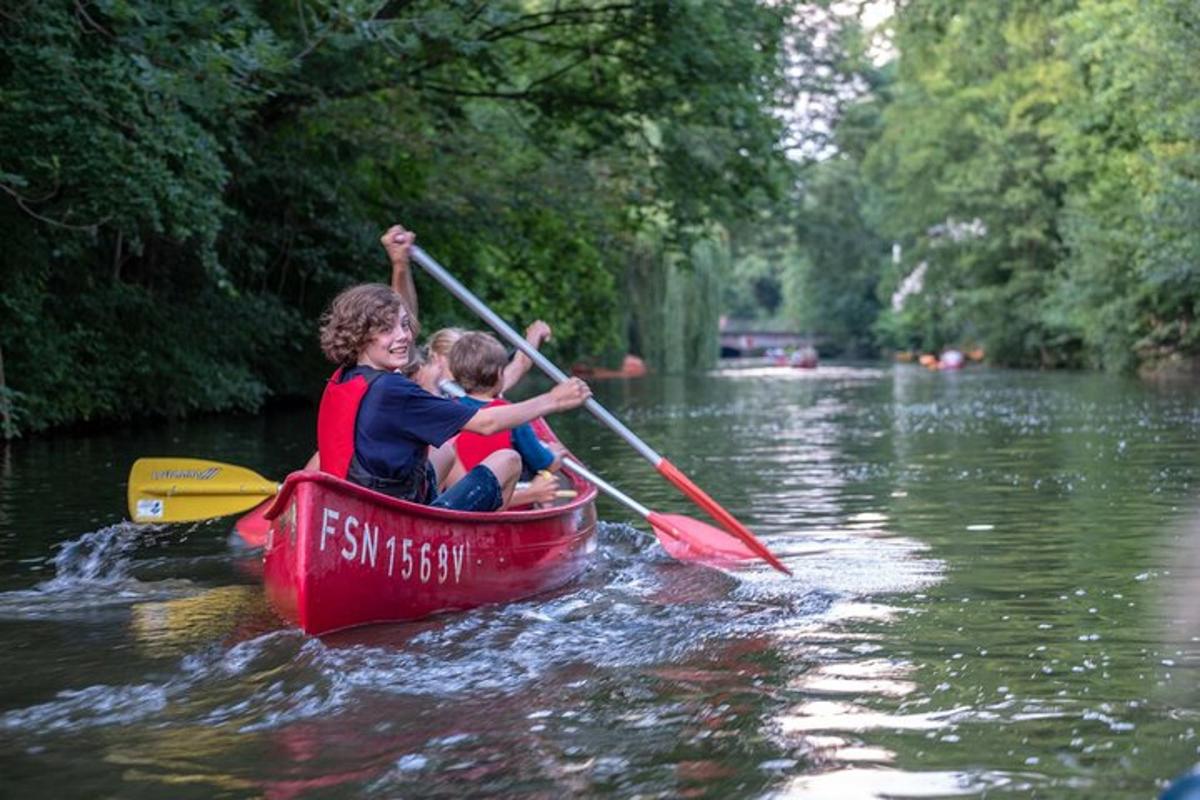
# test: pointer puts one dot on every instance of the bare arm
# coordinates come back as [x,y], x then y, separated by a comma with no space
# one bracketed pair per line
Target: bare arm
[397,242]
[567,395]
[535,334]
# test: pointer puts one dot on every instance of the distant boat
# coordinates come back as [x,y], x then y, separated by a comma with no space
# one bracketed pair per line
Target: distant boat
[951,359]
[631,367]
[804,358]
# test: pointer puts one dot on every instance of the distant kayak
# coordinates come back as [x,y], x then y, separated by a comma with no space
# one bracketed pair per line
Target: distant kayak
[631,367]
[802,358]
[951,359]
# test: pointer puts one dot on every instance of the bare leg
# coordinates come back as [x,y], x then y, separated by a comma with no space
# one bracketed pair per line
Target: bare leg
[443,459]
[506,466]
[456,474]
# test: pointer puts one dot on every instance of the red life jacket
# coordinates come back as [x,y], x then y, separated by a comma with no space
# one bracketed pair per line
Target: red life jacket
[473,448]
[336,419]
[337,423]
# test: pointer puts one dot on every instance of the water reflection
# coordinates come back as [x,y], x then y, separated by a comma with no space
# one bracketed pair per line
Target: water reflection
[981,564]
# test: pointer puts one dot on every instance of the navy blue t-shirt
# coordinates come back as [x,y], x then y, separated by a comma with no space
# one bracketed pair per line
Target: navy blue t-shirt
[398,421]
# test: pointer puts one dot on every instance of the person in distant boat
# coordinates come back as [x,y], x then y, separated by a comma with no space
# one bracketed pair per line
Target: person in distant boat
[376,427]
[477,363]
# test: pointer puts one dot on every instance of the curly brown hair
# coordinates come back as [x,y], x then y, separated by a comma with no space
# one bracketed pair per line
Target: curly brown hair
[354,316]
[477,362]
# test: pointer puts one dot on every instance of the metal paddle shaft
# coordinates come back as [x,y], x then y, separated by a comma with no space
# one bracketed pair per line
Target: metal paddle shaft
[606,487]
[664,467]
[439,273]
[683,538]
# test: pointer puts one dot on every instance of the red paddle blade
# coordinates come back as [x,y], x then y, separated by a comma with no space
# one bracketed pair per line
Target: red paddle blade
[253,526]
[727,520]
[688,539]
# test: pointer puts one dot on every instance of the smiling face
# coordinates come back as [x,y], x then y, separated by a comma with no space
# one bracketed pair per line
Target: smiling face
[388,350]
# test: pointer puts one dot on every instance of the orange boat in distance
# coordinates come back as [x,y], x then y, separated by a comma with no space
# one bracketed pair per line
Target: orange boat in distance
[631,367]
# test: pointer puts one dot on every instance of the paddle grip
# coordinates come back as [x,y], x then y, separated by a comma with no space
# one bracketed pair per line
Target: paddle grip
[727,520]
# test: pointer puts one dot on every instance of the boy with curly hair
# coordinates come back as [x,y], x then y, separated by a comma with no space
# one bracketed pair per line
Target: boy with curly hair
[379,429]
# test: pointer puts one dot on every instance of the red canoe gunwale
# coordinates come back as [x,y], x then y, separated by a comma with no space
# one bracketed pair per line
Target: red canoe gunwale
[322,573]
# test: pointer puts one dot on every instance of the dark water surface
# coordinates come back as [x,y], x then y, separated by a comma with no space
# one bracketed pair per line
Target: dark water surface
[994,577]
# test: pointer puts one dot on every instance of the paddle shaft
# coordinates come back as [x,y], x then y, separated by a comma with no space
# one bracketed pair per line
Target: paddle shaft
[664,467]
[606,487]
[439,273]
[662,525]
[217,490]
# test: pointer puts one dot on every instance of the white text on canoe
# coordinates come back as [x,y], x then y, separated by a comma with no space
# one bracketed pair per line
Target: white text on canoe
[362,542]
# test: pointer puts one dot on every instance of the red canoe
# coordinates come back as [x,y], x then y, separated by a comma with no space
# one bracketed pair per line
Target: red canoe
[338,555]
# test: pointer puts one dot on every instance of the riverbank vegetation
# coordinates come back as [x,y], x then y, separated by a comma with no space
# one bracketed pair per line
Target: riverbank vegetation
[184,185]
[1021,176]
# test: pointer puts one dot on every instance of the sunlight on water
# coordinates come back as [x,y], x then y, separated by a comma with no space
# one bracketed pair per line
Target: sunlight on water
[993,595]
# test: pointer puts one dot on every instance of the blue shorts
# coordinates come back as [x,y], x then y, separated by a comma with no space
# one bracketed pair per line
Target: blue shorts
[479,490]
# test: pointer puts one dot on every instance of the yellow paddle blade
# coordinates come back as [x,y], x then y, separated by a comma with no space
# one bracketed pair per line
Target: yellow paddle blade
[188,489]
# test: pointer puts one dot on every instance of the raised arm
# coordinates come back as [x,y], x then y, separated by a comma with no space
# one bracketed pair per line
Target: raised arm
[535,334]
[572,393]
[397,241]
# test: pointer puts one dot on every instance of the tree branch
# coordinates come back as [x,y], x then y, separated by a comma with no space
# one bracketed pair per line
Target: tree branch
[81,11]
[547,19]
[21,203]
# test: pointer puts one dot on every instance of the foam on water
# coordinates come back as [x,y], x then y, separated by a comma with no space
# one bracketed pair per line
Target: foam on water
[91,706]
[635,608]
[98,557]
[93,575]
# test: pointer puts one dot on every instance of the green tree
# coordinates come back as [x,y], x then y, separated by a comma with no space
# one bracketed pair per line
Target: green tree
[189,183]
[969,136]
[1128,150]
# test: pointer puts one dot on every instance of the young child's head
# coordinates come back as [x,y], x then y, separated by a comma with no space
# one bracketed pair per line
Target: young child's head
[441,341]
[437,351]
[417,361]
[368,319]
[477,362]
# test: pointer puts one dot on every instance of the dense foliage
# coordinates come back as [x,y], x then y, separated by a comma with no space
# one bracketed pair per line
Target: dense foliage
[1037,165]
[184,185]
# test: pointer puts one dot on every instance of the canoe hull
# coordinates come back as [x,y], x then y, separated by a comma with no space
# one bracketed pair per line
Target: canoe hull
[338,555]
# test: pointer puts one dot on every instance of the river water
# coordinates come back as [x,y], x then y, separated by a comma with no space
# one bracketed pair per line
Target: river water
[995,594]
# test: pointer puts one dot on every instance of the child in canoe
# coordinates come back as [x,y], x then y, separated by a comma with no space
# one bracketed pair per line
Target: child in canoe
[375,427]
[478,363]
[430,366]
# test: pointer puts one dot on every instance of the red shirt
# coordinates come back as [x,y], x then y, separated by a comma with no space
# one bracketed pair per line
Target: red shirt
[472,448]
